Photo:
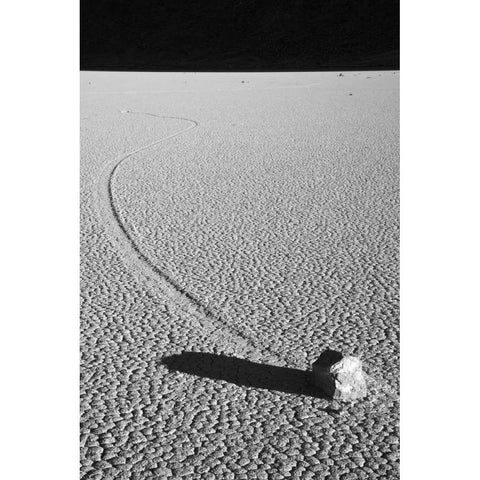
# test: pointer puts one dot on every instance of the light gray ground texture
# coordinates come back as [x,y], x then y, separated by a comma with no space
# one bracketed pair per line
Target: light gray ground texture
[248,215]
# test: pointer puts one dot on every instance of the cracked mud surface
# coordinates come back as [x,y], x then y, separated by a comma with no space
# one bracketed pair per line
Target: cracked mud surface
[239,249]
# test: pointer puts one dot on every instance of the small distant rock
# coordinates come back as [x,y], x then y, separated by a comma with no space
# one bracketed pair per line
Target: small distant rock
[340,74]
[339,377]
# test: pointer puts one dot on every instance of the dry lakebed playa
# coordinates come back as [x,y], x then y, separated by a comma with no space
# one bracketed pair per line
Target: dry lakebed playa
[233,227]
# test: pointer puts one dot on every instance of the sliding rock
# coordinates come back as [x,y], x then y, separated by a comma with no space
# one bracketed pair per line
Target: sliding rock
[339,377]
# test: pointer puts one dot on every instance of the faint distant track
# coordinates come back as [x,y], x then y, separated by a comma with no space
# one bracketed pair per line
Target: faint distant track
[150,273]
[225,90]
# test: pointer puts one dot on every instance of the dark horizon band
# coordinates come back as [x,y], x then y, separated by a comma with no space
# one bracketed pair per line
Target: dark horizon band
[248,35]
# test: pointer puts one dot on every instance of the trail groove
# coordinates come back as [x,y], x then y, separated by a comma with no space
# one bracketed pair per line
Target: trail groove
[150,275]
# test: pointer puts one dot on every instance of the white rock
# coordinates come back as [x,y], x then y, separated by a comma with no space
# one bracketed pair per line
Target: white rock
[339,377]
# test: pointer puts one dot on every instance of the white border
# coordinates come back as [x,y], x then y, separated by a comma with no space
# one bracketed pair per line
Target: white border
[39,200]
[439,239]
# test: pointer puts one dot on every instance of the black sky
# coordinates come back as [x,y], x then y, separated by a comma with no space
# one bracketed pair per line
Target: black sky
[239,35]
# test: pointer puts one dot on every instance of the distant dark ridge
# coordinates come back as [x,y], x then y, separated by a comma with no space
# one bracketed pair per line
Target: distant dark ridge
[239,35]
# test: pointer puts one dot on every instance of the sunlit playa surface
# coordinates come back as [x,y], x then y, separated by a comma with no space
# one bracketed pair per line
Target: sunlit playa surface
[234,226]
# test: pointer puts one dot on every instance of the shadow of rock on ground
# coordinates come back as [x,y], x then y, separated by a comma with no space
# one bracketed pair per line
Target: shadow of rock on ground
[244,373]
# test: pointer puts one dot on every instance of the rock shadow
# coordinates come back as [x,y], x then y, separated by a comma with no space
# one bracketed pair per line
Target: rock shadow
[244,373]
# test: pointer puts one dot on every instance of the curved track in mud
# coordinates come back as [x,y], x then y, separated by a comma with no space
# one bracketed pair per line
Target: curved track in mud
[148,273]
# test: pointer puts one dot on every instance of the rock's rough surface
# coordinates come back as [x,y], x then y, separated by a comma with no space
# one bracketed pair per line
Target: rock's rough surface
[339,377]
